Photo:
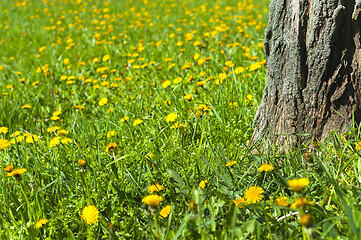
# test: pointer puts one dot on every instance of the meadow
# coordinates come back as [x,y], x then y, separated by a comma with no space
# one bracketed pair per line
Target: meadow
[133,119]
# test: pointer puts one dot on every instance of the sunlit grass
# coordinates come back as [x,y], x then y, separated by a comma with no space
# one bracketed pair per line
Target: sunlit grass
[133,119]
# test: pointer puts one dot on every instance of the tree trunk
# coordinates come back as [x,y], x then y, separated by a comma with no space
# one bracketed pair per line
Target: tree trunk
[313,50]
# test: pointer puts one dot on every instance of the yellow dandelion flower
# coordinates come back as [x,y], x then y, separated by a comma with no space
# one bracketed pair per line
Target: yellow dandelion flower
[124,119]
[177,80]
[4,130]
[265,168]
[231,163]
[57,113]
[111,134]
[282,201]
[222,76]
[239,70]
[111,147]
[152,200]
[233,104]
[52,129]
[177,125]
[82,162]
[17,133]
[358,146]
[54,141]
[26,134]
[17,139]
[200,62]
[155,188]
[165,211]
[16,172]
[106,58]
[41,222]
[298,184]
[229,64]
[166,83]
[9,168]
[54,118]
[62,132]
[66,140]
[189,36]
[187,65]
[137,121]
[240,202]
[66,61]
[254,194]
[203,184]
[301,202]
[203,107]
[90,214]
[188,97]
[32,139]
[249,97]
[171,117]
[254,66]
[4,144]
[218,81]
[79,107]
[196,56]
[103,101]
[26,106]
[197,43]
[201,83]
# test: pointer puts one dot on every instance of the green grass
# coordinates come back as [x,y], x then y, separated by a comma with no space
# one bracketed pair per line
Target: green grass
[48,50]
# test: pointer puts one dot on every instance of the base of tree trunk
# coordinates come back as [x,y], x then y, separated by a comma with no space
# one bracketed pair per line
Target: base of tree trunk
[313,51]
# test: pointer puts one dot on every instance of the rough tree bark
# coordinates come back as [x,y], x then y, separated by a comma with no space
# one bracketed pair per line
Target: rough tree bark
[313,51]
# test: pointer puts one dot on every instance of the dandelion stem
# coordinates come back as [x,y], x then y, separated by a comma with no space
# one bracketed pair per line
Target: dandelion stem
[85,182]
[115,161]
[156,225]
[305,236]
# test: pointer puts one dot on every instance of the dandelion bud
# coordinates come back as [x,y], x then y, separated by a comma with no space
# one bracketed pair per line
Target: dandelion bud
[305,220]
[193,206]
[82,162]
